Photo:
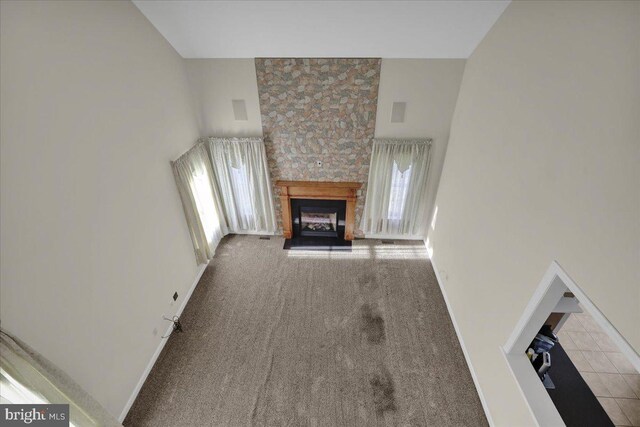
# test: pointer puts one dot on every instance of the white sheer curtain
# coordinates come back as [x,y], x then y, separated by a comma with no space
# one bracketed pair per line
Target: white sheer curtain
[28,378]
[201,201]
[396,190]
[241,173]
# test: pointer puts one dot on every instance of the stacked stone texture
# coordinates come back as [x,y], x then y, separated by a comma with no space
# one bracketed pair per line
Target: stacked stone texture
[318,110]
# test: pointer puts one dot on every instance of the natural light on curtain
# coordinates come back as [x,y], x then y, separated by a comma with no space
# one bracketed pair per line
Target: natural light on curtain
[240,187]
[28,378]
[201,201]
[397,187]
[241,173]
[200,186]
[13,392]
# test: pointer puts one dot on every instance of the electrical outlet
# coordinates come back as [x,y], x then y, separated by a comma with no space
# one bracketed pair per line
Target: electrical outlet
[175,296]
[155,331]
[319,163]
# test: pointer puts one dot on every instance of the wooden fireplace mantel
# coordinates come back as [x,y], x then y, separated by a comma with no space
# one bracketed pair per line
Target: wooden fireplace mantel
[318,190]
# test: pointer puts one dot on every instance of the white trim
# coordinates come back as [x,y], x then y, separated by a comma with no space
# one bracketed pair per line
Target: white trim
[540,405]
[550,290]
[199,273]
[255,233]
[163,341]
[541,304]
[394,236]
[483,401]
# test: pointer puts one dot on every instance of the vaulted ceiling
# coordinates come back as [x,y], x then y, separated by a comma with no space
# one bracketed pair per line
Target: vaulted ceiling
[387,29]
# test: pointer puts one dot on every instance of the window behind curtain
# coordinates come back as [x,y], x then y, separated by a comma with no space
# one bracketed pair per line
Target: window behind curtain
[242,191]
[201,188]
[398,194]
[242,175]
[396,188]
[201,201]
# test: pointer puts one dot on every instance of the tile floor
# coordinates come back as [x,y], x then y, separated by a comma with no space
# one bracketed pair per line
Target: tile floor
[604,368]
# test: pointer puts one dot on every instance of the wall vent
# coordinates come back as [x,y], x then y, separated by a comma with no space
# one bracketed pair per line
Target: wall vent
[239,110]
[397,112]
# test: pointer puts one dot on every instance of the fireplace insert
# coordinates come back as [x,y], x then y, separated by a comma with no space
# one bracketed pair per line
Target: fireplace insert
[318,221]
[318,218]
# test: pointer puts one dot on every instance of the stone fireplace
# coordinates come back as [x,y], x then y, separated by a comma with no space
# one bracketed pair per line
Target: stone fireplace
[318,208]
[318,119]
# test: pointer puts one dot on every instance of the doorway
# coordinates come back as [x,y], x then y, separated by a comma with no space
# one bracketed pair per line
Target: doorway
[558,301]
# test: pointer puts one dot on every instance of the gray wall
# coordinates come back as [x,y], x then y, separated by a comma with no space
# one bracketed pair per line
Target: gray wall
[542,165]
[215,83]
[430,89]
[94,105]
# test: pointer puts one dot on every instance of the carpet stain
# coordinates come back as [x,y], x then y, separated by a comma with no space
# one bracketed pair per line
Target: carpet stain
[256,350]
[368,282]
[383,392]
[372,325]
[367,277]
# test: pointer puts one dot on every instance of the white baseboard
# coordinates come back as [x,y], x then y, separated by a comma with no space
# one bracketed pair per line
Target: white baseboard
[163,341]
[464,349]
[393,237]
[256,233]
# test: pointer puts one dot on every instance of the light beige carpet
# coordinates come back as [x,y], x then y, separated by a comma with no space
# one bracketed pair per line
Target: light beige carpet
[275,337]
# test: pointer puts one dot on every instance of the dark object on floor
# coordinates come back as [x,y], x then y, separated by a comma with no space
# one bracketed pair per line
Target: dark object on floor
[575,401]
[177,326]
[539,355]
[317,244]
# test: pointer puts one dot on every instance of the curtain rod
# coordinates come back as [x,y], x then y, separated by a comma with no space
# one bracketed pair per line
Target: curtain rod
[205,139]
[399,142]
[426,141]
[187,152]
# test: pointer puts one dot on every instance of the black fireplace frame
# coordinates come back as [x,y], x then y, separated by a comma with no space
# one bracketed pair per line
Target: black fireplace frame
[339,207]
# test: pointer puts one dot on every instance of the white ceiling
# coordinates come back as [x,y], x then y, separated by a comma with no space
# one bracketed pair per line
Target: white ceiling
[387,29]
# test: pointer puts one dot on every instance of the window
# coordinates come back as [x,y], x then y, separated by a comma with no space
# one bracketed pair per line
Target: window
[398,194]
[14,392]
[242,194]
[201,189]
[397,188]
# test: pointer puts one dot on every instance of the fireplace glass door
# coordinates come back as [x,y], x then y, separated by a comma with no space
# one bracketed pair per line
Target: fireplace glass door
[318,221]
